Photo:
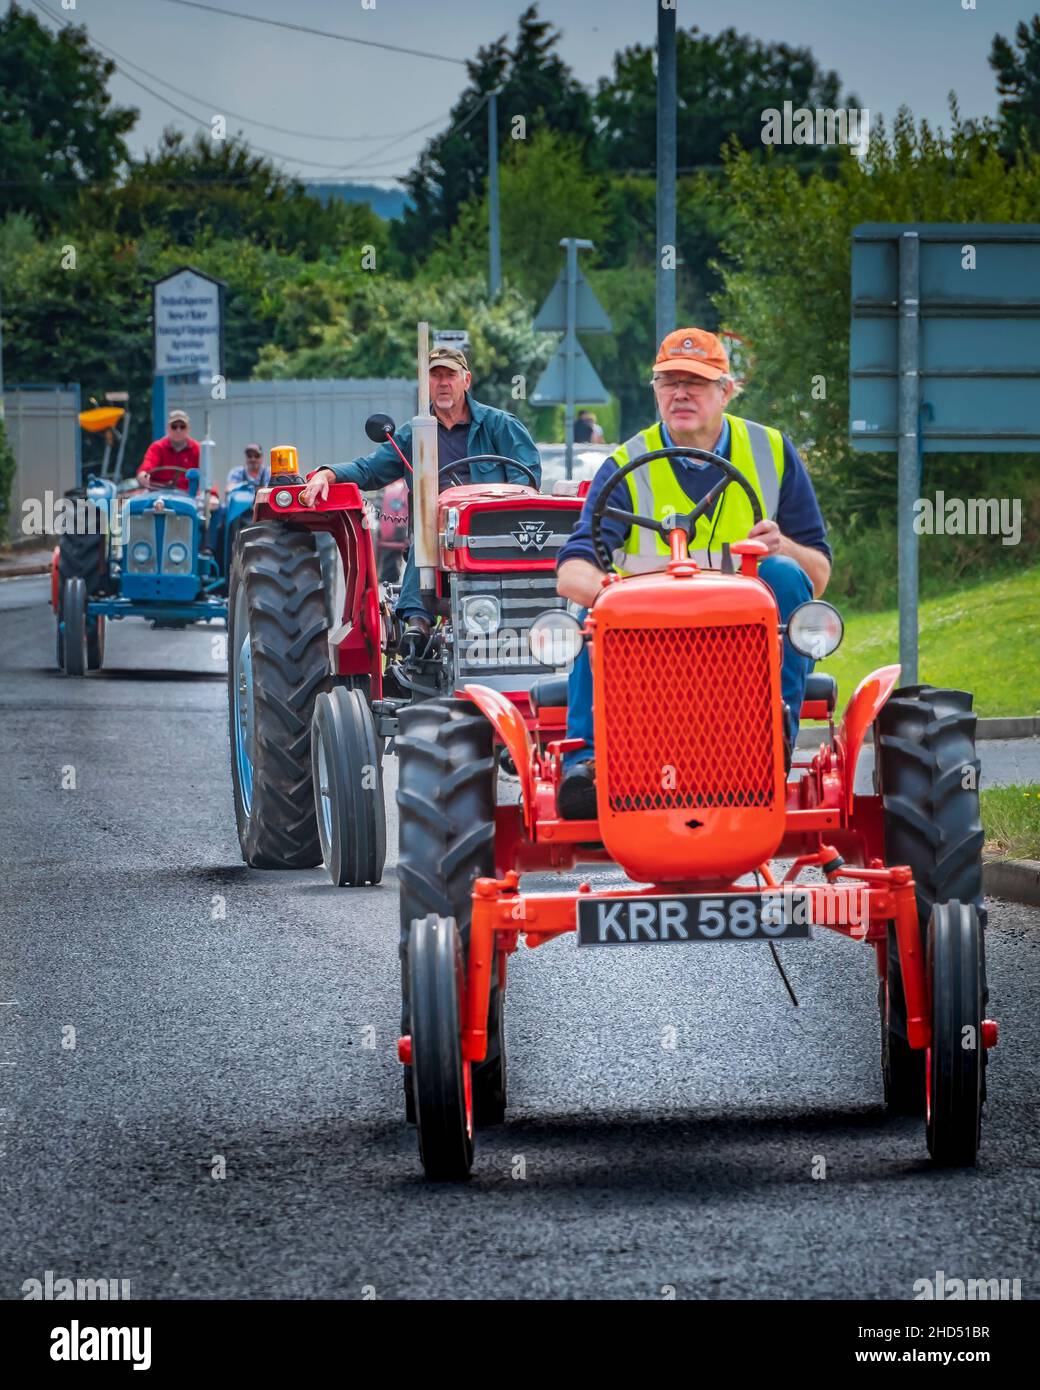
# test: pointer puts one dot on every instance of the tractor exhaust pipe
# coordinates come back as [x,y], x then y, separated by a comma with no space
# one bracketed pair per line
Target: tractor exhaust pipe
[425,487]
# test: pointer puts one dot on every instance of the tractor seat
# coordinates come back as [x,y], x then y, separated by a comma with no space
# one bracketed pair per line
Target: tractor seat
[550,692]
[821,686]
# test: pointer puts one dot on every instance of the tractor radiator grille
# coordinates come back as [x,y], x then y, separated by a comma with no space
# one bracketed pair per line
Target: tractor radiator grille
[531,533]
[503,659]
[689,717]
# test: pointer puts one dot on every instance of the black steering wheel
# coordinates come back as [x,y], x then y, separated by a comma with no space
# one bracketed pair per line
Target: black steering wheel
[686,520]
[491,458]
[149,486]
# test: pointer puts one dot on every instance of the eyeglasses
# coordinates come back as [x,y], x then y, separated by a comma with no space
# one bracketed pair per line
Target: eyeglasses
[178,425]
[670,382]
[251,455]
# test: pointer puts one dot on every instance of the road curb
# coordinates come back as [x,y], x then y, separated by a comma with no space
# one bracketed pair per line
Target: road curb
[20,571]
[1015,879]
[1001,726]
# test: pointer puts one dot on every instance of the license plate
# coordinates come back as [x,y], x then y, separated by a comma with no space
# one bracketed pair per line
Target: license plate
[698,917]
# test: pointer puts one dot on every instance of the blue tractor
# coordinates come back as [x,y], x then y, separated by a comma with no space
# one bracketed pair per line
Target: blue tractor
[161,554]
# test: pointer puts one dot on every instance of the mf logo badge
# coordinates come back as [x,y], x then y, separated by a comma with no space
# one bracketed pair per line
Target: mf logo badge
[531,535]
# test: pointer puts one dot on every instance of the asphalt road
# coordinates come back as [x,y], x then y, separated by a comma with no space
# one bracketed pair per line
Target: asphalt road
[249,1017]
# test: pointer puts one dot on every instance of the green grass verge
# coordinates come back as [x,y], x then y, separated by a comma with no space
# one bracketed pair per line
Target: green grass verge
[984,638]
[1011,820]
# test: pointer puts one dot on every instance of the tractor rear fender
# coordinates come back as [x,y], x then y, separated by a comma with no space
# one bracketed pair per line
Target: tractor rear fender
[861,711]
[356,643]
[509,725]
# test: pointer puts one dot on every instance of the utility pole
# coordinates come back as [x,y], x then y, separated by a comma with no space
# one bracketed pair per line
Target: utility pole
[1,355]
[666,166]
[494,226]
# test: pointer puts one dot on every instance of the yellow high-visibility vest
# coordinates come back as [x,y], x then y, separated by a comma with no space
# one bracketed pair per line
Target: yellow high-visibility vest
[654,490]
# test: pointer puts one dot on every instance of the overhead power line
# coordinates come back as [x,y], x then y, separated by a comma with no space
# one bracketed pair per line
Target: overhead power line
[332,170]
[322,33]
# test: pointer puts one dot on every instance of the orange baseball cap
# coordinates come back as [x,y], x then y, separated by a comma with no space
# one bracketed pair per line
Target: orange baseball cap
[693,350]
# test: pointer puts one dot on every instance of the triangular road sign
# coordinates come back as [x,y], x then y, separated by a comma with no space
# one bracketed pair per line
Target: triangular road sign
[552,385]
[590,314]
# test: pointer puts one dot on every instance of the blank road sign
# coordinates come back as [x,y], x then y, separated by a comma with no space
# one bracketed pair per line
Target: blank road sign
[979,337]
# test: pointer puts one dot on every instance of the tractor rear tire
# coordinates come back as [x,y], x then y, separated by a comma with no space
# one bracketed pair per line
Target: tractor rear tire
[95,643]
[74,626]
[278,664]
[924,742]
[446,811]
[83,557]
[348,787]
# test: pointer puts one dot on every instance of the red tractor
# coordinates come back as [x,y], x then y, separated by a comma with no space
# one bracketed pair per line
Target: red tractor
[695,807]
[318,682]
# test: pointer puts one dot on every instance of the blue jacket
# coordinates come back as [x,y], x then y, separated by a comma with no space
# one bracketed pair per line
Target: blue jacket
[798,513]
[491,431]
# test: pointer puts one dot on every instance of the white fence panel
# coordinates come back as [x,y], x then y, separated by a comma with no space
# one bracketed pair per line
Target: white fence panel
[43,429]
[324,419]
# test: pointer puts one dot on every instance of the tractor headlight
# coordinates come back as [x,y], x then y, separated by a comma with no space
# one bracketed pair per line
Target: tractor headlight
[815,629]
[141,552]
[480,615]
[283,497]
[555,638]
[177,553]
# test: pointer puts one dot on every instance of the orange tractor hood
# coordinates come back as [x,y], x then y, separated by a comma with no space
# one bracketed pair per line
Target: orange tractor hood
[688,724]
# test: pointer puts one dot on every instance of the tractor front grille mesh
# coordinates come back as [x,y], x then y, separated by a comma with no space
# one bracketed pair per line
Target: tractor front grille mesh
[689,717]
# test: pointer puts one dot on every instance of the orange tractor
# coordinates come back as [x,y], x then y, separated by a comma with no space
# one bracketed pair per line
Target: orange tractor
[695,807]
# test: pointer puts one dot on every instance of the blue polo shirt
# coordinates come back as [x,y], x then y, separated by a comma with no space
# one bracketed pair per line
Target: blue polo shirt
[798,512]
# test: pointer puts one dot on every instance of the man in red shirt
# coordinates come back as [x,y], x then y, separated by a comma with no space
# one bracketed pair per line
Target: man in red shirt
[165,461]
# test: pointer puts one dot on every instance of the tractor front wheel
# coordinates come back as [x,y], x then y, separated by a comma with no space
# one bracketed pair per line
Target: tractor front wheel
[955,1057]
[278,664]
[446,811]
[73,626]
[348,787]
[442,1079]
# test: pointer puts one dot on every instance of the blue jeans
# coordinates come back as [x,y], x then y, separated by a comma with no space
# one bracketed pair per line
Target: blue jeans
[409,600]
[790,585]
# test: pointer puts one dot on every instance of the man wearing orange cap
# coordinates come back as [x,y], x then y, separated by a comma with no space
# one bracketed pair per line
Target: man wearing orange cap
[692,387]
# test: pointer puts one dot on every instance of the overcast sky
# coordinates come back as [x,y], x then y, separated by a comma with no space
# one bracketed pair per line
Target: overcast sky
[888,52]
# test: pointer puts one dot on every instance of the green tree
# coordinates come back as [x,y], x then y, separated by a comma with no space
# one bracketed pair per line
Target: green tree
[374,336]
[60,128]
[189,192]
[535,84]
[547,192]
[786,280]
[724,83]
[1018,82]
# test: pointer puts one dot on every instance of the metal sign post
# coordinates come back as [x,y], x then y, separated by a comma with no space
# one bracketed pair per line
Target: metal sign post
[570,307]
[944,357]
[909,416]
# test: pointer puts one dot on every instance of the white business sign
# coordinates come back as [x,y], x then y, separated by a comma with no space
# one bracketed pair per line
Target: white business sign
[187,324]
